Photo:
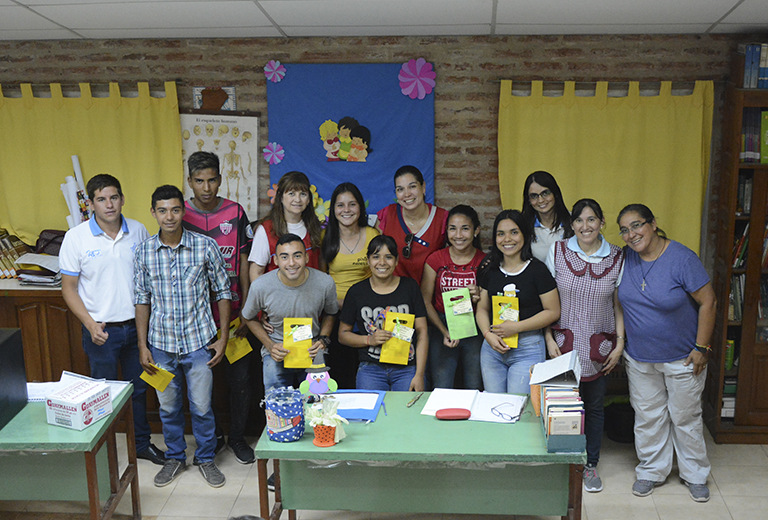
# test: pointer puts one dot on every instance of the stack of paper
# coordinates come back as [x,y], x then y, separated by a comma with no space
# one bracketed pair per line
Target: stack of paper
[39,270]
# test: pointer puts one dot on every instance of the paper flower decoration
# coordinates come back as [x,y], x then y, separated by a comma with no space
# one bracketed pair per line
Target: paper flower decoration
[417,79]
[274,153]
[272,192]
[274,71]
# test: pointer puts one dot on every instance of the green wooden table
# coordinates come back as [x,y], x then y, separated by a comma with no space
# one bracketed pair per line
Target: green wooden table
[408,462]
[39,461]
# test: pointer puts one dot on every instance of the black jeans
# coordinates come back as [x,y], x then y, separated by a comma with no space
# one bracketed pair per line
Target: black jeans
[593,396]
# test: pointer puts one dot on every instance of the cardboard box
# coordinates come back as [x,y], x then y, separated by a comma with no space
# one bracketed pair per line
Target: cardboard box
[79,405]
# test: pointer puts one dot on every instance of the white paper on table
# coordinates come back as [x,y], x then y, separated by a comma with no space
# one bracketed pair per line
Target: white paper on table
[356,400]
[49,262]
[441,398]
[509,405]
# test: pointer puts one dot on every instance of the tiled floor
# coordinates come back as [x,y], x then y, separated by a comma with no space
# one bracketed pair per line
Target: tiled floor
[738,485]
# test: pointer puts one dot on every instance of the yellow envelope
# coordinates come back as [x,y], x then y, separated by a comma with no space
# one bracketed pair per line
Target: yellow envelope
[396,350]
[506,308]
[159,380]
[298,356]
[236,347]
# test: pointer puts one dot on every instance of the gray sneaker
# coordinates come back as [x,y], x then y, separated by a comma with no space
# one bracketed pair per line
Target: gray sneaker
[592,482]
[170,470]
[643,488]
[211,474]
[698,492]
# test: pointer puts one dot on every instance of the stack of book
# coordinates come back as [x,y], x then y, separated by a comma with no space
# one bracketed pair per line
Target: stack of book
[736,298]
[11,248]
[740,249]
[562,410]
[555,397]
[754,128]
[756,65]
[36,269]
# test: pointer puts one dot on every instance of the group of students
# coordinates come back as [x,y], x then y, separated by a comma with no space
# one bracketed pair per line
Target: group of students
[575,291]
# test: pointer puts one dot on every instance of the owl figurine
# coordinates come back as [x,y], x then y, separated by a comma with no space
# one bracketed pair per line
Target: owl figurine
[318,380]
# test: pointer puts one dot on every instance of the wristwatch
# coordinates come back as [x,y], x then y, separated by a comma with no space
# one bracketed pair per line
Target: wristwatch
[325,339]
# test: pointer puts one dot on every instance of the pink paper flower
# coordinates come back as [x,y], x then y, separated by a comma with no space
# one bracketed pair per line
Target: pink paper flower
[274,153]
[417,79]
[272,193]
[274,71]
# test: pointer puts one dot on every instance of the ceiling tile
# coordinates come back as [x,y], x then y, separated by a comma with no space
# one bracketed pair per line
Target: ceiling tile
[364,13]
[15,17]
[228,32]
[600,29]
[608,12]
[749,12]
[157,15]
[384,30]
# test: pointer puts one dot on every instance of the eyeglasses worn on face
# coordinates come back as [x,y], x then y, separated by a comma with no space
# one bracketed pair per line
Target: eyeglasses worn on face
[634,226]
[533,197]
[407,248]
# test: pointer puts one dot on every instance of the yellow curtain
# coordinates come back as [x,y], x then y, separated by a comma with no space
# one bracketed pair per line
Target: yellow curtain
[136,139]
[617,150]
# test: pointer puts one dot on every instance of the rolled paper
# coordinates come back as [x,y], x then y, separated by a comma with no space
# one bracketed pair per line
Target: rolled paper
[70,222]
[78,173]
[74,206]
[68,200]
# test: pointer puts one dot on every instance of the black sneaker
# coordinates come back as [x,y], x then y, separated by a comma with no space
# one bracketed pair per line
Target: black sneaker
[219,444]
[271,482]
[211,474]
[171,469]
[153,454]
[243,453]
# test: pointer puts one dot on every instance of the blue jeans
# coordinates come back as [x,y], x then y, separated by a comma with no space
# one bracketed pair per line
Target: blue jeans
[593,395]
[275,374]
[376,376]
[442,361]
[121,348]
[193,369]
[510,372]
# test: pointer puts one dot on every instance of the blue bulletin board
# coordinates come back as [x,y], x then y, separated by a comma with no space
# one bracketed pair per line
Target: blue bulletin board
[387,108]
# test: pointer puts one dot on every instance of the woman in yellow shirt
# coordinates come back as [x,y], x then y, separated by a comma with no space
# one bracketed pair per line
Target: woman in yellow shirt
[343,251]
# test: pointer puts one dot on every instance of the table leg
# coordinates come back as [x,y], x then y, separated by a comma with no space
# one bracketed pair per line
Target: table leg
[575,484]
[261,466]
[93,484]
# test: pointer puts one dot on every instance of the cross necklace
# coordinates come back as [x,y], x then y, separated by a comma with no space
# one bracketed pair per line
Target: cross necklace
[644,285]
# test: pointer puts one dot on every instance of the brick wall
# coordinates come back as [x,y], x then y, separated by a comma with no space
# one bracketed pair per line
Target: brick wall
[466,96]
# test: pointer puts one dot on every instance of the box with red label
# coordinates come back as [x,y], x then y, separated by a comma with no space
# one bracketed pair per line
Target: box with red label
[79,405]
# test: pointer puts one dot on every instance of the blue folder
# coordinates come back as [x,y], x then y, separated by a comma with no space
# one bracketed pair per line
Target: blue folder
[362,414]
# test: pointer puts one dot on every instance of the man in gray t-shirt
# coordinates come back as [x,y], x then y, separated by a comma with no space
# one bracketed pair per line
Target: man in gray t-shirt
[292,291]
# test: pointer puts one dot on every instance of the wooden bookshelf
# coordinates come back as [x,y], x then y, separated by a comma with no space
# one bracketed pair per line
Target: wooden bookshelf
[749,423]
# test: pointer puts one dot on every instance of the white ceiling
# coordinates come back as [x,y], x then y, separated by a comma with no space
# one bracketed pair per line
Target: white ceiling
[108,19]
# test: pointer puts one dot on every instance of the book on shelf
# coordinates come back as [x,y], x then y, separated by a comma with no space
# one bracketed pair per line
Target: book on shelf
[764,133]
[736,298]
[762,70]
[740,249]
[755,66]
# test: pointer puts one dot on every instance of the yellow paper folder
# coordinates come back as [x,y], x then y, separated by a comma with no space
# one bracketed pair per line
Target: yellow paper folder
[395,350]
[506,308]
[236,347]
[298,356]
[159,380]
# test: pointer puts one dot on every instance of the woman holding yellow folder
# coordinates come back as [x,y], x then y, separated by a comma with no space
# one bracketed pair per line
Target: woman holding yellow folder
[518,298]
[378,305]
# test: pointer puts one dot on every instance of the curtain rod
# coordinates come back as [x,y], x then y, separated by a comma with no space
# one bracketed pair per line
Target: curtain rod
[96,84]
[595,82]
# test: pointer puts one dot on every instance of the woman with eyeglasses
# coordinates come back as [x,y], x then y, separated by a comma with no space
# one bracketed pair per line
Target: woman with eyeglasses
[343,251]
[292,212]
[587,269]
[453,267]
[511,270]
[366,307]
[669,314]
[417,227]
[545,212]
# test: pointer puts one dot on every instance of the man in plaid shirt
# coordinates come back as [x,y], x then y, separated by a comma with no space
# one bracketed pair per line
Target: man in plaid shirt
[177,273]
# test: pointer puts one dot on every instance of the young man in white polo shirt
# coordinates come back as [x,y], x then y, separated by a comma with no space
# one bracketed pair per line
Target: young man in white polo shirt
[96,261]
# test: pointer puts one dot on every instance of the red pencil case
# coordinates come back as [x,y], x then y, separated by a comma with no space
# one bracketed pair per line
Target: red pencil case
[453,414]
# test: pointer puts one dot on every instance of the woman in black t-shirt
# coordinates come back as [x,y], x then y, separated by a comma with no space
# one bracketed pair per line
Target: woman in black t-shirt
[367,304]
[510,269]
